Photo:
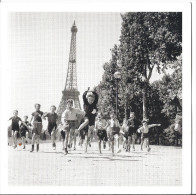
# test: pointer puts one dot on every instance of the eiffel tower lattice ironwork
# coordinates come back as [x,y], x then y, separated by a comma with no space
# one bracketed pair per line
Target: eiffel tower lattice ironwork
[71,91]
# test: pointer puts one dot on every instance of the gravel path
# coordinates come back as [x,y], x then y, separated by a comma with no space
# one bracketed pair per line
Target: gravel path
[161,166]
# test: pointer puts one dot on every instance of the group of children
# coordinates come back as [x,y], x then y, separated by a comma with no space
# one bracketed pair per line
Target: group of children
[87,124]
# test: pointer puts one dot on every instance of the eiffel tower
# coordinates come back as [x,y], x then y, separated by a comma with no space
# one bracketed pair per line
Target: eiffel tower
[71,91]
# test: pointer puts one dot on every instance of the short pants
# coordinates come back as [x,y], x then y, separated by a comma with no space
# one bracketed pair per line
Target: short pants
[91,118]
[145,135]
[126,135]
[114,131]
[23,133]
[83,133]
[37,128]
[71,125]
[102,134]
[51,127]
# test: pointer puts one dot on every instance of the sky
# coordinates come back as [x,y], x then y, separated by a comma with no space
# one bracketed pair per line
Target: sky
[39,46]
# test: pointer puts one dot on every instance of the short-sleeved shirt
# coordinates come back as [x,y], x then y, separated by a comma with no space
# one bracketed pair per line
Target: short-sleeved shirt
[37,115]
[15,122]
[71,115]
[52,117]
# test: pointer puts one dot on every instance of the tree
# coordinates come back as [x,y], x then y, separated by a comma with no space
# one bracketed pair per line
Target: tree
[149,40]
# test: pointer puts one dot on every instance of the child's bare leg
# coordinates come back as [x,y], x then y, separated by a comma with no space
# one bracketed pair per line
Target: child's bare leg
[86,121]
[133,142]
[100,146]
[142,142]
[71,137]
[66,139]
[129,143]
[75,135]
[27,137]
[23,141]
[15,137]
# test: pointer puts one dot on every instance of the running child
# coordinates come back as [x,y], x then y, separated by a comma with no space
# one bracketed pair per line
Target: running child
[144,130]
[52,124]
[115,130]
[90,99]
[125,129]
[69,121]
[24,130]
[133,126]
[37,126]
[100,126]
[15,127]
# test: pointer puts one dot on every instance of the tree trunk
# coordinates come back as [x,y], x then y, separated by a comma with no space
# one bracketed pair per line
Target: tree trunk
[145,114]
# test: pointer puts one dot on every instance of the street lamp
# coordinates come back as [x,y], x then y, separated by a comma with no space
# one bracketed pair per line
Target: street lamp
[117,76]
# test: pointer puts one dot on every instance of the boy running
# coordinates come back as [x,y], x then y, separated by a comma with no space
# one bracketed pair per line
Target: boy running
[133,126]
[90,99]
[24,130]
[37,126]
[52,124]
[115,130]
[100,127]
[144,130]
[15,127]
[69,120]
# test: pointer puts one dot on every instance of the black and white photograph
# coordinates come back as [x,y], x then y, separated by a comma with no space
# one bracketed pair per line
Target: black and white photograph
[97,98]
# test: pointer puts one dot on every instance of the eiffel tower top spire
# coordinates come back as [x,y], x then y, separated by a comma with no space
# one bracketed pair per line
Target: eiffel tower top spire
[70,91]
[71,80]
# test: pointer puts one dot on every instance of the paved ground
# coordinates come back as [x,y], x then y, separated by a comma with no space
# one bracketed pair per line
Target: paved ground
[161,166]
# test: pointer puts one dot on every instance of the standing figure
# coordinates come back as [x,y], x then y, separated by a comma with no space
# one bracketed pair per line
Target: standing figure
[24,130]
[15,127]
[52,124]
[69,120]
[90,99]
[144,130]
[37,126]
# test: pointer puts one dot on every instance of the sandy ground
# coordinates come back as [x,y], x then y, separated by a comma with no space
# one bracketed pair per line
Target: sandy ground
[161,166]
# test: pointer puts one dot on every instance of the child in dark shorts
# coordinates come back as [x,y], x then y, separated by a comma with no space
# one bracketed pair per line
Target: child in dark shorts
[24,130]
[37,126]
[100,126]
[90,99]
[144,130]
[15,127]
[132,133]
[115,130]
[52,124]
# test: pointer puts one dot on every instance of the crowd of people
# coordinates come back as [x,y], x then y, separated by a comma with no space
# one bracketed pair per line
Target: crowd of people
[86,125]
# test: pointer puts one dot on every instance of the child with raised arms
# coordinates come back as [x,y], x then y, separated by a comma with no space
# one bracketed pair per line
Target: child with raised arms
[90,99]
